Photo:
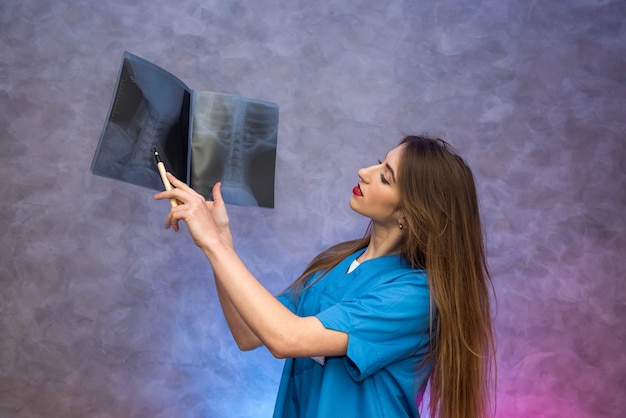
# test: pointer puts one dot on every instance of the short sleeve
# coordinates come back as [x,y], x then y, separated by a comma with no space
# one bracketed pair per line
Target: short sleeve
[287,300]
[389,324]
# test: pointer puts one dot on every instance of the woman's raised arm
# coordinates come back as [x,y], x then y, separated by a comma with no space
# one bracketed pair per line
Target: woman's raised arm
[253,314]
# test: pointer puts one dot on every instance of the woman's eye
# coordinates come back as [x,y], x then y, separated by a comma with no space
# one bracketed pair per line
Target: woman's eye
[382,176]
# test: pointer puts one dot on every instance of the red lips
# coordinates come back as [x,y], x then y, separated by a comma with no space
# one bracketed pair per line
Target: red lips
[357,190]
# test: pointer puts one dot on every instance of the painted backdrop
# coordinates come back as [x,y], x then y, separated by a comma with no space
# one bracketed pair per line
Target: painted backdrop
[103,313]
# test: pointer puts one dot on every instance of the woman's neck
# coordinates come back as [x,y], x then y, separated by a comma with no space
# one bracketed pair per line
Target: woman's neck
[382,242]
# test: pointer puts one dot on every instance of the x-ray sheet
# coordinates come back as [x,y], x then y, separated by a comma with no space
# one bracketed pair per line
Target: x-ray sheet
[202,137]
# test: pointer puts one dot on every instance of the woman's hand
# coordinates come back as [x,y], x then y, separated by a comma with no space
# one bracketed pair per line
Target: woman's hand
[207,221]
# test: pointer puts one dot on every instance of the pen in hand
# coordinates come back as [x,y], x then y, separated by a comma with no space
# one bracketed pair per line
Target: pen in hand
[162,172]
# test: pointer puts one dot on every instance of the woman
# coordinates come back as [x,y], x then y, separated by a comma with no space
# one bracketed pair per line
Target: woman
[370,321]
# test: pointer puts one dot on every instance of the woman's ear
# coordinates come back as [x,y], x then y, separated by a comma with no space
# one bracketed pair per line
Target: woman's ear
[401,219]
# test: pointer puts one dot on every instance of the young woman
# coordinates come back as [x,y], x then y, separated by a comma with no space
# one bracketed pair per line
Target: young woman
[371,321]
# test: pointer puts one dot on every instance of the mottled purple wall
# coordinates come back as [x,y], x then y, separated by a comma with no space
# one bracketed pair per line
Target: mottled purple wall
[105,314]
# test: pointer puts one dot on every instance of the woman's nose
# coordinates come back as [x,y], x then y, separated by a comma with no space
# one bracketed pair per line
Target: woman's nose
[365,173]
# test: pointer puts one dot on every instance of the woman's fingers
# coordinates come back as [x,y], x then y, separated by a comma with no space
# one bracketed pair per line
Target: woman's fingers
[204,219]
[217,193]
[172,221]
[180,191]
[178,183]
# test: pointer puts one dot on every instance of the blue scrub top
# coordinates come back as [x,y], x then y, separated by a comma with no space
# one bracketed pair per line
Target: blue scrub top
[384,307]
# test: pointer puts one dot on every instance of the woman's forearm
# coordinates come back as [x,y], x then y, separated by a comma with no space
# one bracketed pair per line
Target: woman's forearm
[280,330]
[259,311]
[245,338]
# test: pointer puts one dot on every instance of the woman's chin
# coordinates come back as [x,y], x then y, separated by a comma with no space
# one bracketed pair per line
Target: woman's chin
[354,204]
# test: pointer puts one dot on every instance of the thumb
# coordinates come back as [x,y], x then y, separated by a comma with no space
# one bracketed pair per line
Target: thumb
[217,193]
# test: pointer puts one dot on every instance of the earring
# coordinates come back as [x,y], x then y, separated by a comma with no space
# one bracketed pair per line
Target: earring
[400,225]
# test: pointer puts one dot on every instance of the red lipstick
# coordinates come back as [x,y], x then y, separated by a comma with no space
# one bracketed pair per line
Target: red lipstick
[357,190]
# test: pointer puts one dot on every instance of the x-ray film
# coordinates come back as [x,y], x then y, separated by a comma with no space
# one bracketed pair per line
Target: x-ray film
[202,137]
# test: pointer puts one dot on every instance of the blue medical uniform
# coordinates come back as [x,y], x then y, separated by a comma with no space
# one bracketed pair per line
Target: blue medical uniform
[384,307]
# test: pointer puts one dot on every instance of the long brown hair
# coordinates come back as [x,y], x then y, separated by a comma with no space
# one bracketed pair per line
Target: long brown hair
[443,235]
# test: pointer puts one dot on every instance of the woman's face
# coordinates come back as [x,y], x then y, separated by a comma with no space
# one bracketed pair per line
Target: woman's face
[377,195]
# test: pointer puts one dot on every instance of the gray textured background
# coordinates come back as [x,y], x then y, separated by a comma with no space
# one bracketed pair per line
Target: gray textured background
[105,314]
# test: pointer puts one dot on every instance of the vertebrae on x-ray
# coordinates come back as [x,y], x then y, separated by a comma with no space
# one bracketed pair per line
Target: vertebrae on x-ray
[154,117]
[241,129]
